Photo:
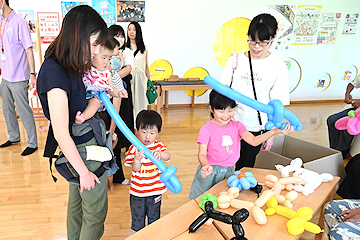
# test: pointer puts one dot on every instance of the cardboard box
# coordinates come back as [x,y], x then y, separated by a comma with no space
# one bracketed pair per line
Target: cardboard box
[315,157]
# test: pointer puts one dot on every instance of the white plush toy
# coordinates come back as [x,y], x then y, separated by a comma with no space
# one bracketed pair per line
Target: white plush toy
[312,179]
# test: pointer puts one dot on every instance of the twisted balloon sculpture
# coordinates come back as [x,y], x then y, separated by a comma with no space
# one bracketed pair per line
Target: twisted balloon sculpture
[351,122]
[275,109]
[168,173]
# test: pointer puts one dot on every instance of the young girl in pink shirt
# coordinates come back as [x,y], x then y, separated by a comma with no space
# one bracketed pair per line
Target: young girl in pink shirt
[219,144]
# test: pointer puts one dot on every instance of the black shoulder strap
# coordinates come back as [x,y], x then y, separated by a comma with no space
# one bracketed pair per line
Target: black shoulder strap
[253,86]
[50,148]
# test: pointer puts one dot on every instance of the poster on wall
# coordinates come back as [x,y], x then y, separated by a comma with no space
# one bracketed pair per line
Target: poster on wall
[67,6]
[130,11]
[323,81]
[349,73]
[328,28]
[350,23]
[106,9]
[49,26]
[306,24]
[29,17]
[285,16]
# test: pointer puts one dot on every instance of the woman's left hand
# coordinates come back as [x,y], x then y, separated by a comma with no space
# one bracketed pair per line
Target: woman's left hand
[268,144]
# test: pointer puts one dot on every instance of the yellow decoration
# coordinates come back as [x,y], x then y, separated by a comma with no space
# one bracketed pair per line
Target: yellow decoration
[196,72]
[232,37]
[160,69]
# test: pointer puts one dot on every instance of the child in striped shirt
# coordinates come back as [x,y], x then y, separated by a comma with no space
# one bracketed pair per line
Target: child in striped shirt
[146,187]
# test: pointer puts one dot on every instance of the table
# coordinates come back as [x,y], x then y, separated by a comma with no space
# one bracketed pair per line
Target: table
[165,86]
[175,225]
[275,228]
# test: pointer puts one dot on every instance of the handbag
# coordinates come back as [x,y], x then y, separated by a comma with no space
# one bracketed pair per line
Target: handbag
[151,93]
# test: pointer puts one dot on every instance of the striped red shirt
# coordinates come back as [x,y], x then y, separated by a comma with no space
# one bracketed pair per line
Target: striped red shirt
[145,182]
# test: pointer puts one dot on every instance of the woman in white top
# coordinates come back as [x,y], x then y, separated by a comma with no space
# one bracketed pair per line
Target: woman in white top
[271,81]
[140,71]
[124,106]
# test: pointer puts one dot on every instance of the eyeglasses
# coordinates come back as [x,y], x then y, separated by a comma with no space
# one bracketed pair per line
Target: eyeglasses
[261,44]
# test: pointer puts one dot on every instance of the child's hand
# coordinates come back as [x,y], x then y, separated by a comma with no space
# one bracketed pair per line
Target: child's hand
[157,154]
[123,93]
[206,171]
[79,118]
[288,129]
[138,154]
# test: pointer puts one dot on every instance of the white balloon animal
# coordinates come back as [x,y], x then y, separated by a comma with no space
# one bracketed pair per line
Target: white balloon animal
[312,180]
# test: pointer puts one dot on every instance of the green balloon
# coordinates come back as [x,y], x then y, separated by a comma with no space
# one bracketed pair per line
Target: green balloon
[351,113]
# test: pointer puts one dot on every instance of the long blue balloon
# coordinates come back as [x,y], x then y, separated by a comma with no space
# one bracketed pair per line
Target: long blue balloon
[275,109]
[168,173]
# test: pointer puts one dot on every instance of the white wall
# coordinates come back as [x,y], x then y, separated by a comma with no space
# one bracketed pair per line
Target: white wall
[182,32]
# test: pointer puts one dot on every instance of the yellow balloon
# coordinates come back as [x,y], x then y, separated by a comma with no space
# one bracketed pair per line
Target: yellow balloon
[305,212]
[311,227]
[295,226]
[270,211]
[286,212]
[272,202]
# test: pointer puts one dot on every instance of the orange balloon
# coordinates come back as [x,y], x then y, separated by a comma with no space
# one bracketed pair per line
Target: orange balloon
[241,175]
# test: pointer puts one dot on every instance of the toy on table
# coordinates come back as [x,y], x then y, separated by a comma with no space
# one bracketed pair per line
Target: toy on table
[244,180]
[311,179]
[167,173]
[275,109]
[350,122]
[235,220]
[298,220]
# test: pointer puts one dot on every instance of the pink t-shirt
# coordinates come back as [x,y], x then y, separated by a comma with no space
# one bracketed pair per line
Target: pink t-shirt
[223,142]
[16,40]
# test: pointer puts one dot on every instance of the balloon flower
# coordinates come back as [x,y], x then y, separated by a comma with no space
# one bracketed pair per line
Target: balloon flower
[351,122]
[168,173]
[242,180]
[275,109]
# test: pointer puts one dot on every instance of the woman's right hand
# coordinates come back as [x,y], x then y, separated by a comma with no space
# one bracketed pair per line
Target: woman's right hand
[87,181]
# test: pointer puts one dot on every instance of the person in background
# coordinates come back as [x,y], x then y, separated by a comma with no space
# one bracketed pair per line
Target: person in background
[340,139]
[146,189]
[342,219]
[140,71]
[123,106]
[17,67]
[270,80]
[219,143]
[62,94]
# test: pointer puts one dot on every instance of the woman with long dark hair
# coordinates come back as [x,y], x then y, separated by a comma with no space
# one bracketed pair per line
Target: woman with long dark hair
[259,75]
[140,71]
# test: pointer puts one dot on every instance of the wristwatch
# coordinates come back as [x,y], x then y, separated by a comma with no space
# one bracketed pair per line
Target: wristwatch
[34,73]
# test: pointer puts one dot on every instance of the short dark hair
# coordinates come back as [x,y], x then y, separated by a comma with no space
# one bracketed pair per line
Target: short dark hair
[139,39]
[114,42]
[71,48]
[218,101]
[147,119]
[116,30]
[263,26]
[109,44]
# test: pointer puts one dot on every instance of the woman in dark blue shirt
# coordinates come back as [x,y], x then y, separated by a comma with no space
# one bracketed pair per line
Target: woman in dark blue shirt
[62,95]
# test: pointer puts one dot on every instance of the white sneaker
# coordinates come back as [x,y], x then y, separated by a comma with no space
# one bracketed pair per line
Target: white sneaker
[126,182]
